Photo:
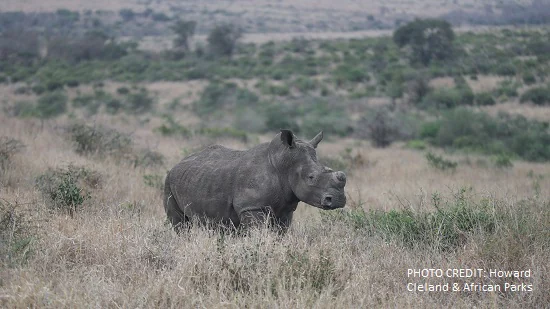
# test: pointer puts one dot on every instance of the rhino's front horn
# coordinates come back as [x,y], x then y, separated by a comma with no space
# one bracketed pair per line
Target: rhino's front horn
[339,178]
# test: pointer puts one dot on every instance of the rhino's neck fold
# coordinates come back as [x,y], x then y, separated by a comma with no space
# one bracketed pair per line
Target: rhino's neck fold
[287,195]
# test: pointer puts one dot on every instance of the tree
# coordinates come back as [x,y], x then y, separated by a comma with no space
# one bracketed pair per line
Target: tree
[429,39]
[223,39]
[184,31]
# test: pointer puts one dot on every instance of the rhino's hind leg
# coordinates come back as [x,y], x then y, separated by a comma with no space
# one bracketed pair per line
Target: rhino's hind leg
[176,217]
[173,212]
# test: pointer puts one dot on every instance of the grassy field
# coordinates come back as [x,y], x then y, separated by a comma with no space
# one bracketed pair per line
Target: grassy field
[447,160]
[117,252]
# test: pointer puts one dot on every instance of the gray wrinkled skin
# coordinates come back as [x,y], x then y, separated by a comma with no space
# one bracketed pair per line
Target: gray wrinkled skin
[248,187]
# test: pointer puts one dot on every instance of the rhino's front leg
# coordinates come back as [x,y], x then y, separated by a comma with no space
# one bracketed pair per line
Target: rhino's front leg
[283,222]
[256,217]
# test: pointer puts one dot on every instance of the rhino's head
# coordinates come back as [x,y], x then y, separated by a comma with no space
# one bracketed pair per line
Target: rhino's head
[312,183]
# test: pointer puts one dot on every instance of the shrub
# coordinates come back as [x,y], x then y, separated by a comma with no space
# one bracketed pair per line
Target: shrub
[447,98]
[278,90]
[87,101]
[38,89]
[529,78]
[24,109]
[417,88]
[223,39]
[383,127]
[503,161]
[154,181]
[281,116]
[430,130]
[16,235]
[67,188]
[304,84]
[219,97]
[416,144]
[140,102]
[51,105]
[506,69]
[113,105]
[446,228]
[250,120]
[538,95]
[429,39]
[184,31]
[440,163]
[172,128]
[148,158]
[127,14]
[477,131]
[123,90]
[72,83]
[91,140]
[484,98]
[9,147]
[349,73]
[507,89]
[160,17]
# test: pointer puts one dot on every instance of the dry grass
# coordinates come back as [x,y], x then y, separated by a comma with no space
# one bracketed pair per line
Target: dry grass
[117,251]
[527,110]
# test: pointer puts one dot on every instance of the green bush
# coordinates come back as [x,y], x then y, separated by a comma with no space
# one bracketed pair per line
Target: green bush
[503,161]
[140,102]
[416,144]
[51,104]
[429,130]
[446,228]
[9,147]
[148,158]
[217,97]
[171,127]
[350,74]
[92,140]
[38,89]
[16,235]
[447,98]
[529,78]
[154,181]
[507,89]
[222,39]
[484,98]
[538,95]
[505,69]
[440,163]
[304,84]
[24,109]
[429,39]
[123,90]
[281,116]
[382,126]
[476,131]
[67,188]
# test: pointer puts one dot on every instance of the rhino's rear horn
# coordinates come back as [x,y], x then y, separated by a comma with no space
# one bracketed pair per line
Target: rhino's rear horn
[315,141]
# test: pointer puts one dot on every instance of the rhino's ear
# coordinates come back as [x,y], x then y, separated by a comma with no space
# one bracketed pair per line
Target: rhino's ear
[315,141]
[288,138]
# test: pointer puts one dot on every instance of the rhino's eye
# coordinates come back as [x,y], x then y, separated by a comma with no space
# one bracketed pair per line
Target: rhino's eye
[311,176]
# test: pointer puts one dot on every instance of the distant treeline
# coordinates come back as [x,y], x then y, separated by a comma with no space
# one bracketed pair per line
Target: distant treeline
[535,13]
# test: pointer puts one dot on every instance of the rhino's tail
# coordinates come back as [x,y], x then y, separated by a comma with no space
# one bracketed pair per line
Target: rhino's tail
[175,215]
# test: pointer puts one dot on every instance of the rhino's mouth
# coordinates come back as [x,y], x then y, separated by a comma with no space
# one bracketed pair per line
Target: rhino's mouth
[331,201]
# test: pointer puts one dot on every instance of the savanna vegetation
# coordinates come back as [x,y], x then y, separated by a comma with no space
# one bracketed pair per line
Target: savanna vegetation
[444,135]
